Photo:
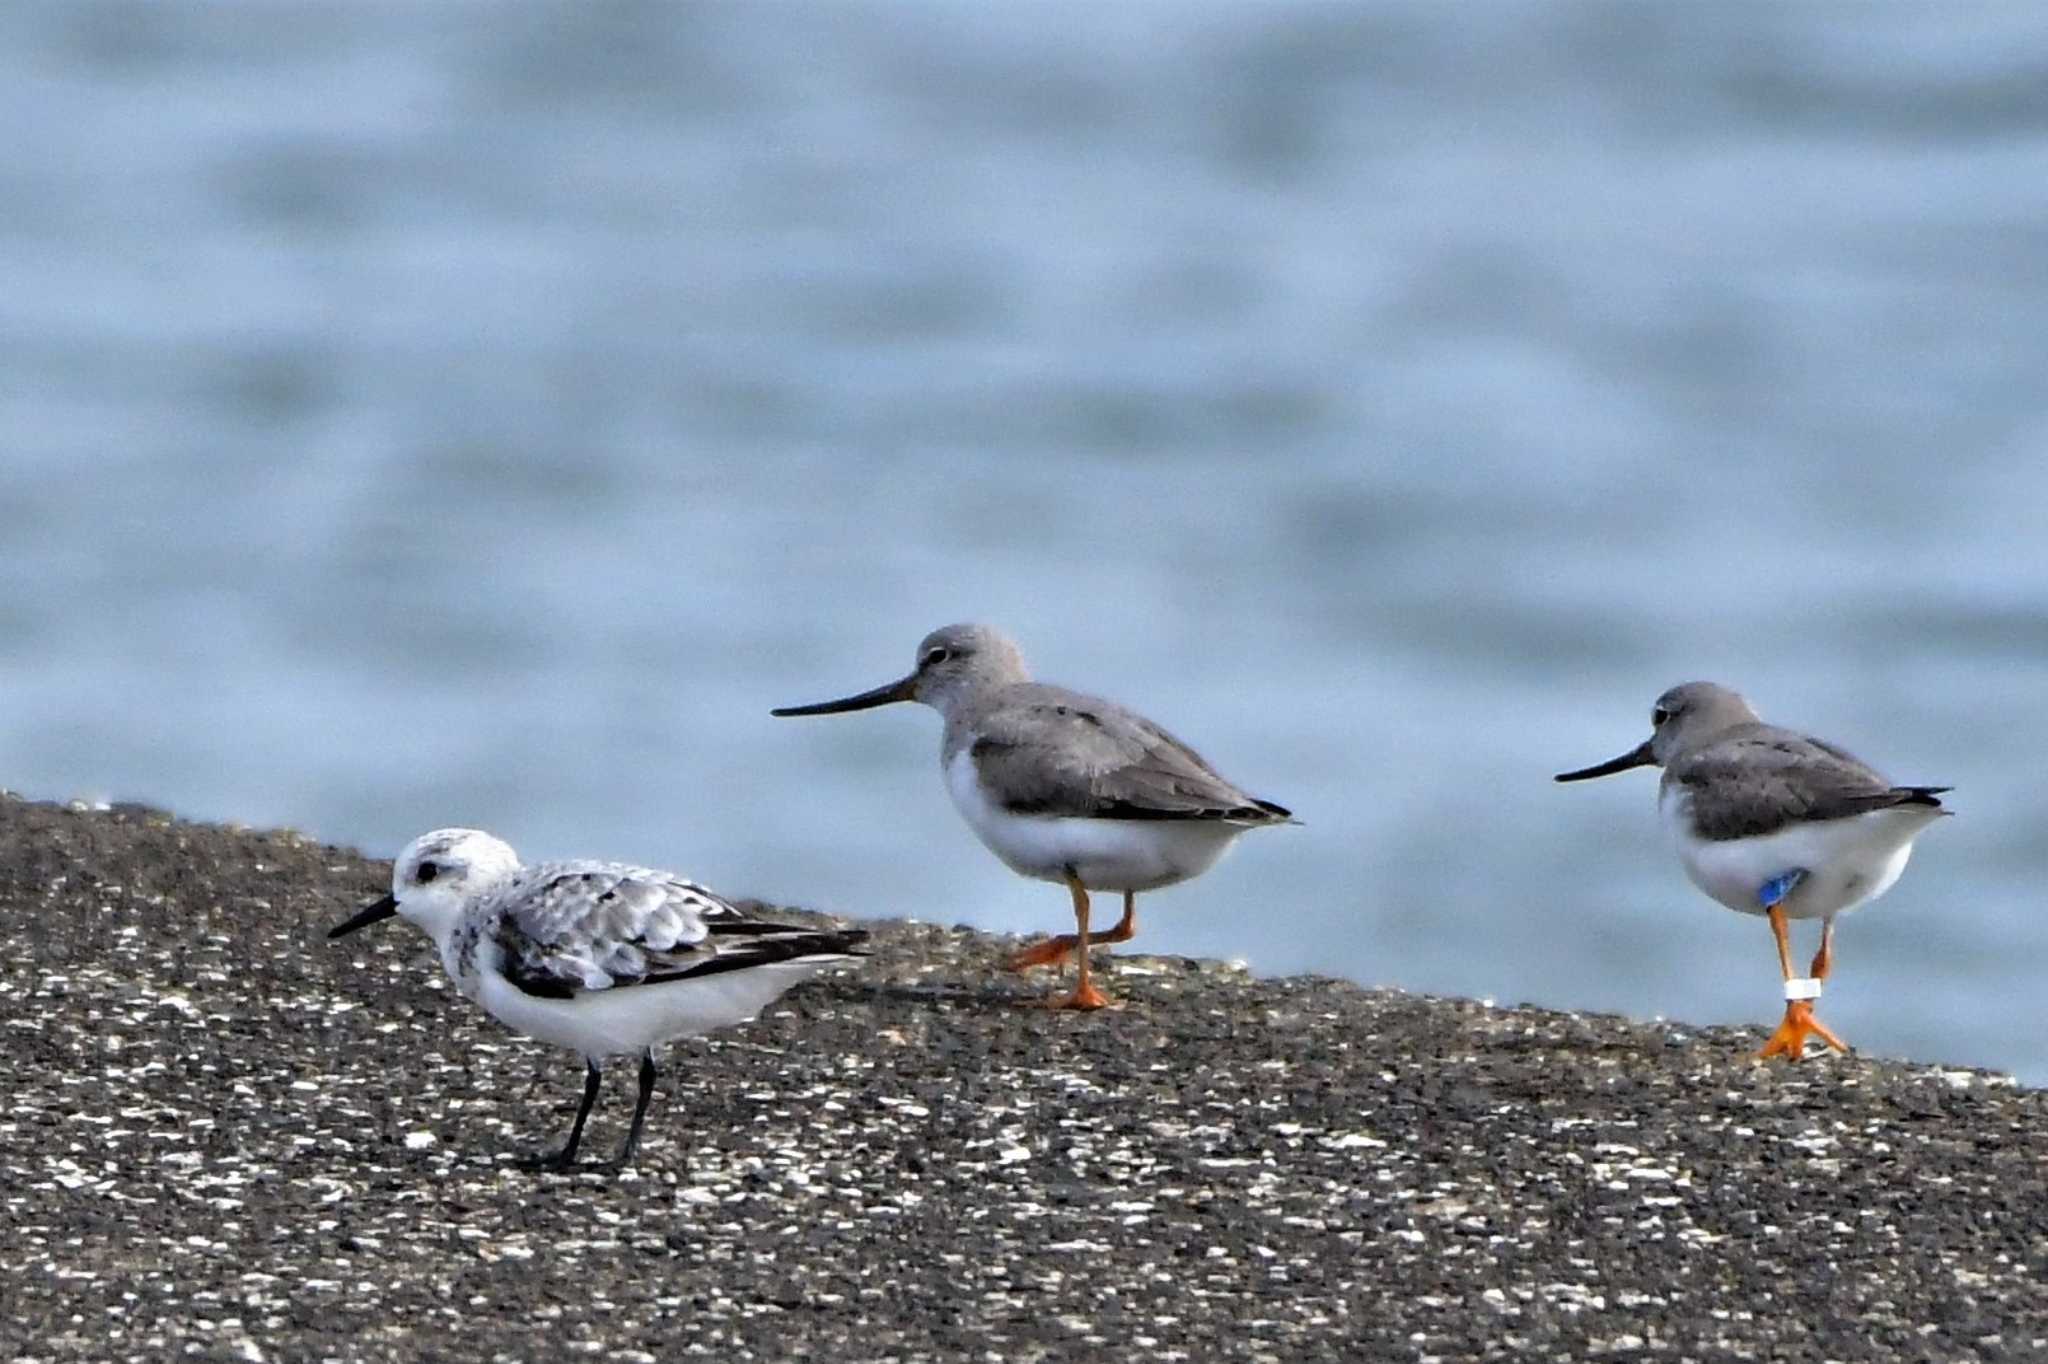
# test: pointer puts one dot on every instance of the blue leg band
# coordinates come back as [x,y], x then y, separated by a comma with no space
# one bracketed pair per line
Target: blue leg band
[1779,886]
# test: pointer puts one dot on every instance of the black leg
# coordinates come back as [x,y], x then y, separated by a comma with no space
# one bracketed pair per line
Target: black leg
[566,1157]
[639,1111]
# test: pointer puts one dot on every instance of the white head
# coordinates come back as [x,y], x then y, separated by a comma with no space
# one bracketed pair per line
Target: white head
[952,662]
[439,875]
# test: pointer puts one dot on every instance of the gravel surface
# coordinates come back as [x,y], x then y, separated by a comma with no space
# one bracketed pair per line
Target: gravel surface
[228,1138]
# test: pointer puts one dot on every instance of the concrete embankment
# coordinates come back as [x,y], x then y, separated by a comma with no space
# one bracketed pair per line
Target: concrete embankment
[225,1137]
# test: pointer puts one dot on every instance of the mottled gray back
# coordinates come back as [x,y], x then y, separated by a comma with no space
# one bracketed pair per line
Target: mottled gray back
[594,925]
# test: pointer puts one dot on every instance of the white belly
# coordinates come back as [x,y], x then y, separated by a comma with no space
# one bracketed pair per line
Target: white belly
[630,1019]
[1848,862]
[1107,854]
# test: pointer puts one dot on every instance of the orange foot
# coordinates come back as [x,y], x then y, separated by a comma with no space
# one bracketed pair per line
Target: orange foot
[1084,997]
[1051,952]
[1789,1041]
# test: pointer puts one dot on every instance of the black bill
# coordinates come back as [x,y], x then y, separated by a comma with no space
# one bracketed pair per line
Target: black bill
[903,690]
[1639,756]
[381,908]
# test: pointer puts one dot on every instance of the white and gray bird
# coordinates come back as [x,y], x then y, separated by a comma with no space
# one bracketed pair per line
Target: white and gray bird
[1066,787]
[600,957]
[1769,821]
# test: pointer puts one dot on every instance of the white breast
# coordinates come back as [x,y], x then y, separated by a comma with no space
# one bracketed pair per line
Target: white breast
[630,1019]
[1848,862]
[1107,854]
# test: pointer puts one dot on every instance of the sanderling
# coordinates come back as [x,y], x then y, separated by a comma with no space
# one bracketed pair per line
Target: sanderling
[1768,821]
[1066,787]
[600,957]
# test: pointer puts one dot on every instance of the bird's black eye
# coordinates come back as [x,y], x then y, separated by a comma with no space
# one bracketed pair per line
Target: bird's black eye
[1658,717]
[427,872]
[937,656]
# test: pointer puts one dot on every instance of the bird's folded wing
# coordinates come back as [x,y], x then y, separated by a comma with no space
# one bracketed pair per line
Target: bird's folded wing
[573,927]
[1758,783]
[1070,755]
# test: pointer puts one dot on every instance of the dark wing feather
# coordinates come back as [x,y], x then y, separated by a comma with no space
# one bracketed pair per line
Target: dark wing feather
[568,927]
[763,945]
[1759,779]
[1106,763]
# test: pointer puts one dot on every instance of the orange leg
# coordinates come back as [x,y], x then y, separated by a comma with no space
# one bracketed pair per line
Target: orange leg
[1126,927]
[1824,960]
[1789,1041]
[1085,995]
[1055,950]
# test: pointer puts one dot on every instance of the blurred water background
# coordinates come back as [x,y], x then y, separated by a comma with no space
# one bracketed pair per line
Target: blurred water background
[445,413]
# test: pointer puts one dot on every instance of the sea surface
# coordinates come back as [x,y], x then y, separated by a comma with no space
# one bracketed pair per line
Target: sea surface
[420,414]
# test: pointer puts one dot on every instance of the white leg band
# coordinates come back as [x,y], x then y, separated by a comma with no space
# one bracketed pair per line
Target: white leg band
[1799,988]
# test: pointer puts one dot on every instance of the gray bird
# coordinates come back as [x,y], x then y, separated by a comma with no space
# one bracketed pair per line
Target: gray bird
[1064,786]
[1768,821]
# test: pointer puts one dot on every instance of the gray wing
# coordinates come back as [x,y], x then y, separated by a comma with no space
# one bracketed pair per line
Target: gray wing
[1048,751]
[567,927]
[1761,779]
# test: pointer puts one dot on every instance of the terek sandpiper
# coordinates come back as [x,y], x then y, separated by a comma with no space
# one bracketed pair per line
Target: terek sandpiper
[601,957]
[1768,821]
[1066,787]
